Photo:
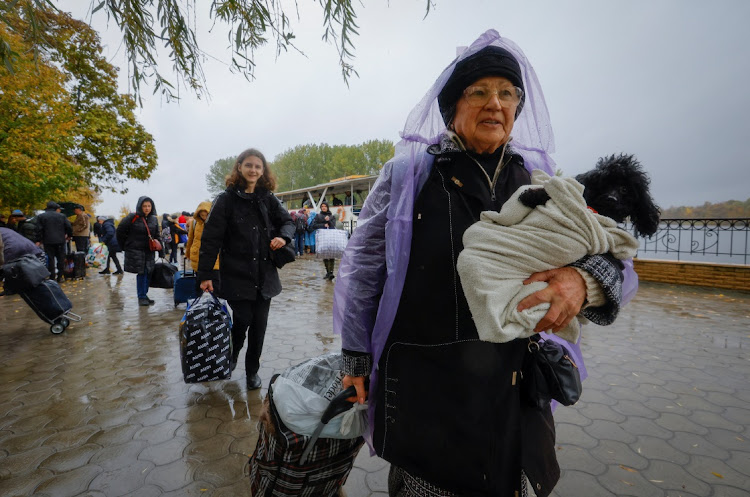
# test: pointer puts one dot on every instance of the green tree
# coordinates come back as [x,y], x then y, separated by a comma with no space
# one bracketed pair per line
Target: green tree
[217,173]
[147,24]
[36,131]
[109,143]
[310,165]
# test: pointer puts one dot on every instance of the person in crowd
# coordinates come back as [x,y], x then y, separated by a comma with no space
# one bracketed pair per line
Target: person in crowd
[166,234]
[300,230]
[326,220]
[81,229]
[335,201]
[3,221]
[348,198]
[310,235]
[55,230]
[30,229]
[176,231]
[133,235]
[16,219]
[14,245]
[245,225]
[109,238]
[400,308]
[182,221]
[98,227]
[193,246]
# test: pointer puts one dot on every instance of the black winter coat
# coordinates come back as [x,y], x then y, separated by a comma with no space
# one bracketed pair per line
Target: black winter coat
[108,236]
[239,228]
[132,236]
[319,223]
[53,226]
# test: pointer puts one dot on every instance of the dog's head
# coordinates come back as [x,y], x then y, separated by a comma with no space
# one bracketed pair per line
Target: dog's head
[619,188]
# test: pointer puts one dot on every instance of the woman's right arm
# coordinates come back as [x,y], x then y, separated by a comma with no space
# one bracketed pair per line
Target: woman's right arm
[362,275]
[123,229]
[213,237]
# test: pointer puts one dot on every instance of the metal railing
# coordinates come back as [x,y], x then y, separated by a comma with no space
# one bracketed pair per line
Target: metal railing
[720,240]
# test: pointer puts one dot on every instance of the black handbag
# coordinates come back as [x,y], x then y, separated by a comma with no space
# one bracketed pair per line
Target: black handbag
[549,372]
[283,255]
[162,276]
[24,273]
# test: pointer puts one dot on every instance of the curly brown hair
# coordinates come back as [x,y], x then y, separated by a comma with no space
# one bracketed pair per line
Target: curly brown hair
[235,179]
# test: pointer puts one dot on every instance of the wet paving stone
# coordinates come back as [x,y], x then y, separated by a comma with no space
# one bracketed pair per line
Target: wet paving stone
[102,410]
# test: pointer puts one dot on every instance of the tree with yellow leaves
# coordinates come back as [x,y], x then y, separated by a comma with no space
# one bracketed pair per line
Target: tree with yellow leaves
[36,131]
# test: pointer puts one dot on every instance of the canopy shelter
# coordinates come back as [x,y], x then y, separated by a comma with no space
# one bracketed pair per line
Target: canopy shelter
[358,186]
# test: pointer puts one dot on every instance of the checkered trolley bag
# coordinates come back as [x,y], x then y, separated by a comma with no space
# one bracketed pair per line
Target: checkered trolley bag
[330,244]
[206,340]
[286,463]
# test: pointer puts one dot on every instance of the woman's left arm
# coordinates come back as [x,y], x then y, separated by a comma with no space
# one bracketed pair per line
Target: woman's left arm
[566,293]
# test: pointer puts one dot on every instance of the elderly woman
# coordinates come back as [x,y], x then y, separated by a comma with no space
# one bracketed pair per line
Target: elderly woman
[446,408]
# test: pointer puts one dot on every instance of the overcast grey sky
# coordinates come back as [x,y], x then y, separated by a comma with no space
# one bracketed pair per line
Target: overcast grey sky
[664,80]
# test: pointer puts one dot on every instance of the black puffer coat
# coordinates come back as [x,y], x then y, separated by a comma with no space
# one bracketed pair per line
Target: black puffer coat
[240,226]
[132,236]
[108,236]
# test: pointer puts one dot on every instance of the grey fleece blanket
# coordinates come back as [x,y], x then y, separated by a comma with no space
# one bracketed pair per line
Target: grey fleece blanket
[504,248]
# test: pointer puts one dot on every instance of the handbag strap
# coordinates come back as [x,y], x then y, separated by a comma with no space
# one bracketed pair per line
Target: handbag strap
[147,230]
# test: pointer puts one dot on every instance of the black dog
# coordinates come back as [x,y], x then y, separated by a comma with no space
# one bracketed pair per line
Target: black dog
[617,188]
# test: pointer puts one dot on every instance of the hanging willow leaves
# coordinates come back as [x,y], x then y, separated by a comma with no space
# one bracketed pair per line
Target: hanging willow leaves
[148,26]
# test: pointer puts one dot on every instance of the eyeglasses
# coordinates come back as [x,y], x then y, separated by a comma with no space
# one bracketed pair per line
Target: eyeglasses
[478,96]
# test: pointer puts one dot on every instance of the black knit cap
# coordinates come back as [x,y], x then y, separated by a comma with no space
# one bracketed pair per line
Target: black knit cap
[489,61]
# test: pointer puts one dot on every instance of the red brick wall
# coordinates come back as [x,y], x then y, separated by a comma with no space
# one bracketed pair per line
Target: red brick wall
[733,276]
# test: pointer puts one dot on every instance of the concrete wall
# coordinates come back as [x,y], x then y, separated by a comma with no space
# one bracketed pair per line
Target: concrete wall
[732,276]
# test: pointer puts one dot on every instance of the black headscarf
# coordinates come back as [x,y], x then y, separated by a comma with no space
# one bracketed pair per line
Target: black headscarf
[490,61]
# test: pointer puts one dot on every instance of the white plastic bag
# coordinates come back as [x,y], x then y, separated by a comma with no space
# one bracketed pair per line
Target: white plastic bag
[302,393]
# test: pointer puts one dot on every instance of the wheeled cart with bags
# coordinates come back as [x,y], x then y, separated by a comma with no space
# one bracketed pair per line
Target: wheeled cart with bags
[51,304]
[286,463]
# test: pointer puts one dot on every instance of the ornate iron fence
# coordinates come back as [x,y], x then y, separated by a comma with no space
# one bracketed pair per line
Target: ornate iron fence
[719,240]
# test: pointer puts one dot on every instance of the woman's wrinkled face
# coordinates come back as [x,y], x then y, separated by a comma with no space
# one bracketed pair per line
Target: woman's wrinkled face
[146,208]
[251,169]
[485,129]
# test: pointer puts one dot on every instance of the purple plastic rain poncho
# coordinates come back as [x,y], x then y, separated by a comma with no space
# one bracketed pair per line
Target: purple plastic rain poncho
[373,269]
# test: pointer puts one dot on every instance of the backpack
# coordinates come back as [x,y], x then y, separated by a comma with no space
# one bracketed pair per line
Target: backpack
[300,225]
[30,229]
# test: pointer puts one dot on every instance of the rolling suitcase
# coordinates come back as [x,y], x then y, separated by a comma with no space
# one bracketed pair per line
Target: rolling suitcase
[286,463]
[184,285]
[206,340]
[51,304]
[75,265]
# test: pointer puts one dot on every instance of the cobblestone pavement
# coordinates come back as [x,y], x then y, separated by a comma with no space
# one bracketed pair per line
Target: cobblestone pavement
[101,410]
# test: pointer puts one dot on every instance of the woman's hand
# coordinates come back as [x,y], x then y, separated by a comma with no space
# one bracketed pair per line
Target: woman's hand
[566,293]
[207,286]
[277,243]
[359,384]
